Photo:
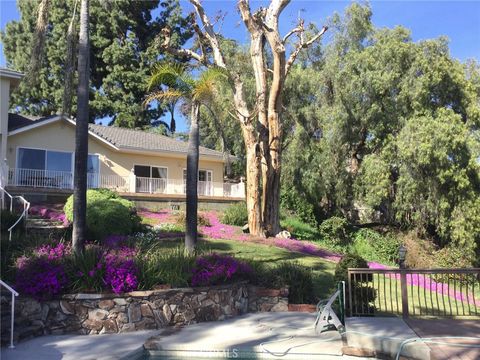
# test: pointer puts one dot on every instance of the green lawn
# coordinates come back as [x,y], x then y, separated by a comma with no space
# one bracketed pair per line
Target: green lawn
[270,255]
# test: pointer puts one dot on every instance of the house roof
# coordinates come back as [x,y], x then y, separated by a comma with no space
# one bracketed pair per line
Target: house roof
[120,138]
[17,121]
[141,140]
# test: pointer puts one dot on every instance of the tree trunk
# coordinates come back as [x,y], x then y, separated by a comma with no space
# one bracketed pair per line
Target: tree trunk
[192,179]
[253,181]
[81,135]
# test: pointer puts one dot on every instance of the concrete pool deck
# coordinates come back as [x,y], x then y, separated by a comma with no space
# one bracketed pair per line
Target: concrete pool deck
[78,347]
[285,335]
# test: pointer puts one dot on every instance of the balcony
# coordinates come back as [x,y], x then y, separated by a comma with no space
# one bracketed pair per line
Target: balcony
[49,179]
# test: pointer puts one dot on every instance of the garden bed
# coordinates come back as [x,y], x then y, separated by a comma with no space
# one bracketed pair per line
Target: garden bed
[141,310]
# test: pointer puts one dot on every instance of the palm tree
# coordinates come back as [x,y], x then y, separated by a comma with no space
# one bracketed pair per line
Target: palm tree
[81,134]
[174,83]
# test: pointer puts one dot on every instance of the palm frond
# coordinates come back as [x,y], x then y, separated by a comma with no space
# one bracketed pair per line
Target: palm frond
[167,95]
[167,74]
[206,86]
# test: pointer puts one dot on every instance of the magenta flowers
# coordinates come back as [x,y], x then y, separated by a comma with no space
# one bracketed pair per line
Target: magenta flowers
[216,269]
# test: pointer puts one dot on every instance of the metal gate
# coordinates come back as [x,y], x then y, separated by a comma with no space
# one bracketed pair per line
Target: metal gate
[414,292]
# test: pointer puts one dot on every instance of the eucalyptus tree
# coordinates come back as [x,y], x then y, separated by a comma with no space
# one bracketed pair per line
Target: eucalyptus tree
[261,122]
[172,82]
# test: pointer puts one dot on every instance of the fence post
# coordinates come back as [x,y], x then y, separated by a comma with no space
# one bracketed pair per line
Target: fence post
[403,285]
[350,306]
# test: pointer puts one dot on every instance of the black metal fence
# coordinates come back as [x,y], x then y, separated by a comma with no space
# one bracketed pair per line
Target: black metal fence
[414,292]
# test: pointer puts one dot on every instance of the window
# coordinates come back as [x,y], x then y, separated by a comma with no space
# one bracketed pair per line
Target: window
[37,159]
[204,182]
[152,179]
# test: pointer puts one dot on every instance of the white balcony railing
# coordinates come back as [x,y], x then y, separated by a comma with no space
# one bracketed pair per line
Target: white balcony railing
[64,180]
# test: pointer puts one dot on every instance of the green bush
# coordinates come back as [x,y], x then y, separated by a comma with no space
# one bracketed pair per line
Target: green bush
[299,229]
[165,266]
[336,231]
[298,278]
[348,261]
[294,202]
[236,214]
[363,294]
[107,214]
[7,219]
[374,246]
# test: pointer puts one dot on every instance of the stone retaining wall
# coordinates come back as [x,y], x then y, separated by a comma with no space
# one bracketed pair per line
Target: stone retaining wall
[140,310]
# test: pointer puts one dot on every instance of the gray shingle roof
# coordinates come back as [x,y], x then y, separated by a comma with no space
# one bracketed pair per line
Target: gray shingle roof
[125,139]
[17,121]
[129,139]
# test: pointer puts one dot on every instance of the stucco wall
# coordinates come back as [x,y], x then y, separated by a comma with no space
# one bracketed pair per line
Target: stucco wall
[60,136]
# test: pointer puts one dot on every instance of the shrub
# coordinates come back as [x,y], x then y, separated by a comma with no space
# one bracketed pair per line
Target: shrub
[299,229]
[374,246]
[236,214]
[87,270]
[298,278]
[107,214]
[165,266]
[293,201]
[7,219]
[181,218]
[348,261]
[336,231]
[214,269]
[363,294]
[40,277]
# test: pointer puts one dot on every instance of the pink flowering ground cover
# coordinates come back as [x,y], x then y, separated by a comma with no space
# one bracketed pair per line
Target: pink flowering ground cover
[51,212]
[229,232]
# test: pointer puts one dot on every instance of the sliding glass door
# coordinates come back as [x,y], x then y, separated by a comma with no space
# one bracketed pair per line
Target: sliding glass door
[52,168]
[44,168]
[205,184]
[150,179]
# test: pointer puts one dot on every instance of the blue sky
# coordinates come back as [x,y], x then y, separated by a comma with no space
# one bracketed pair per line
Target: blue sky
[458,20]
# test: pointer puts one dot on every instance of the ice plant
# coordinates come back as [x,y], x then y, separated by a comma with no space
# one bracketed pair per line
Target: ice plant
[121,273]
[216,269]
[40,277]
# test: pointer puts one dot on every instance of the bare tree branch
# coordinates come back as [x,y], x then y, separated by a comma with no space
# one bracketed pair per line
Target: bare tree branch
[183,53]
[302,44]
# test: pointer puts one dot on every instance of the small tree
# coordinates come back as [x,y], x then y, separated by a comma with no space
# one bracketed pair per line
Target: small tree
[173,83]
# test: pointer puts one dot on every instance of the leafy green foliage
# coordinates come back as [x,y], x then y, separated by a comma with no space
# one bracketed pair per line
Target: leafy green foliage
[235,214]
[299,229]
[123,48]
[348,261]
[107,214]
[374,246]
[336,231]
[299,206]
[298,278]
[165,266]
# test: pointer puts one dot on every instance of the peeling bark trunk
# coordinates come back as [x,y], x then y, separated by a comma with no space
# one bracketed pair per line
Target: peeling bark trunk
[191,232]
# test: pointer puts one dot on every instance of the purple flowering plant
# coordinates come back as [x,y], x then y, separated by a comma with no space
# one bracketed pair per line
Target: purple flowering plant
[40,277]
[214,269]
[121,273]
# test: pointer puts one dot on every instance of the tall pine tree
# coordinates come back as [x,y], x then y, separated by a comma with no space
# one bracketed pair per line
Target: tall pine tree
[122,51]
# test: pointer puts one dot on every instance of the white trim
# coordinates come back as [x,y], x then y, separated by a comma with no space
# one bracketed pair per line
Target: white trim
[35,125]
[179,154]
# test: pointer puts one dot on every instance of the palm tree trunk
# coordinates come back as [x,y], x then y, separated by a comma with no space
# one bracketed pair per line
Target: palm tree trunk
[81,135]
[192,179]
